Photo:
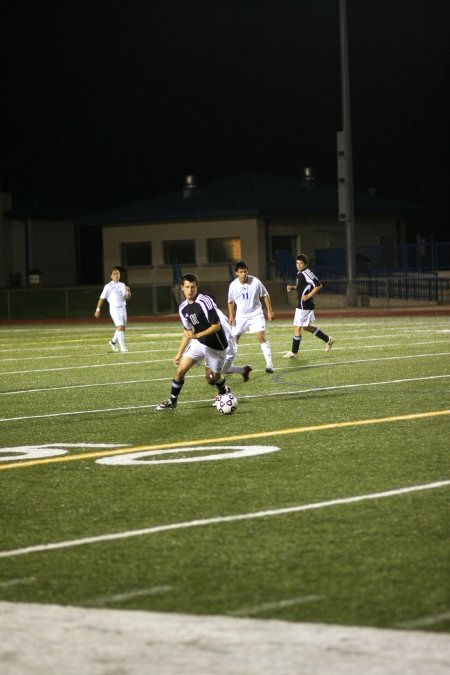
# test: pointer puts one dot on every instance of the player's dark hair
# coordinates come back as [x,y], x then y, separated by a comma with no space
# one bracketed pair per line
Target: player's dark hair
[241,265]
[189,277]
[303,258]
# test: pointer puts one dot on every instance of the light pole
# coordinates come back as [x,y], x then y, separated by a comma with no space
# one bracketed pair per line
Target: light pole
[344,161]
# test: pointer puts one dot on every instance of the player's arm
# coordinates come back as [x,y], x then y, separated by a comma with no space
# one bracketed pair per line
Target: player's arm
[312,292]
[213,328]
[231,317]
[186,338]
[269,310]
[99,305]
[127,293]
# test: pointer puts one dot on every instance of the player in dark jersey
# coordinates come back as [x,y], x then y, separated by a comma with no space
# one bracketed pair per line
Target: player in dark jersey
[203,337]
[307,286]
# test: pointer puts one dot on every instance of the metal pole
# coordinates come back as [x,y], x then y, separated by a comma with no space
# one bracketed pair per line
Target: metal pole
[345,168]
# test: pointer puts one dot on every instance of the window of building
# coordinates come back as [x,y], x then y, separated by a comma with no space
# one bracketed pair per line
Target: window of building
[282,243]
[137,253]
[224,249]
[181,250]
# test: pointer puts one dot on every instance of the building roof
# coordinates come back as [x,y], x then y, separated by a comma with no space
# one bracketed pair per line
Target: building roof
[244,195]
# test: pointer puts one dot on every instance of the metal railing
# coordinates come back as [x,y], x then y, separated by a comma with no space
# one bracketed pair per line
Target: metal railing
[404,286]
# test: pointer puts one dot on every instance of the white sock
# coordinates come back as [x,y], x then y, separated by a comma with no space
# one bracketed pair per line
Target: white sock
[265,348]
[234,369]
[121,338]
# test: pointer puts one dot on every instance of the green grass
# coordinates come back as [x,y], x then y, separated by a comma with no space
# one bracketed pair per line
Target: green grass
[376,562]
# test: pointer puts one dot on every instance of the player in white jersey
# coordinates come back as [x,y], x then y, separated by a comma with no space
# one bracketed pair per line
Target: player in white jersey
[117,294]
[245,310]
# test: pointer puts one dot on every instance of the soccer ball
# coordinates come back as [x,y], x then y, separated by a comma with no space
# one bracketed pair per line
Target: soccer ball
[227,403]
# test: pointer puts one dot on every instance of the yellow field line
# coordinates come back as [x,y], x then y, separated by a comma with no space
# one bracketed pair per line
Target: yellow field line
[228,439]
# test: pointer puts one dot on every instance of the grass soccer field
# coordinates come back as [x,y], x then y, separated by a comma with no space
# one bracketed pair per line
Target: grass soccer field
[323,498]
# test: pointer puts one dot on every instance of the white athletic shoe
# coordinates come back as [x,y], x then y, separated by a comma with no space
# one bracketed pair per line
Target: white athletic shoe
[289,355]
[113,346]
[329,344]
[124,349]
[168,404]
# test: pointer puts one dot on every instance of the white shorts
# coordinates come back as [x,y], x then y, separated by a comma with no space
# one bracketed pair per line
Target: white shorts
[254,324]
[214,358]
[304,317]
[118,315]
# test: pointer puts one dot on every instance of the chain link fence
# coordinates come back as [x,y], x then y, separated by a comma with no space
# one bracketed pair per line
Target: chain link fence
[80,302]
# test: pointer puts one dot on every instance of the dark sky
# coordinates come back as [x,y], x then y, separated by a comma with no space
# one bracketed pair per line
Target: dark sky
[108,101]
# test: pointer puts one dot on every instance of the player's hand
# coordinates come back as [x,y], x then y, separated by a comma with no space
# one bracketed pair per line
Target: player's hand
[127,292]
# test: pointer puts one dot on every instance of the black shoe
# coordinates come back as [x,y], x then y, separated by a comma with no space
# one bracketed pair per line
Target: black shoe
[270,369]
[246,373]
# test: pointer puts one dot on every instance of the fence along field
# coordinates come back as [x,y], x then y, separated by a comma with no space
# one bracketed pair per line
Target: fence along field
[322,499]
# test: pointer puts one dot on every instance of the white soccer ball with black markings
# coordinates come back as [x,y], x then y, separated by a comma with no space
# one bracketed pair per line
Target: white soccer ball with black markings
[227,403]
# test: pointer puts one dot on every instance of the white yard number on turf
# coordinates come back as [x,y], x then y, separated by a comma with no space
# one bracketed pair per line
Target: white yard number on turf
[239,451]
[143,458]
[48,450]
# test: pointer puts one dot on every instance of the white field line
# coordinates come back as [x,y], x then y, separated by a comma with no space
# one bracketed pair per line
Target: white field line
[164,379]
[268,606]
[239,517]
[424,621]
[100,335]
[246,348]
[17,582]
[123,597]
[127,363]
[248,396]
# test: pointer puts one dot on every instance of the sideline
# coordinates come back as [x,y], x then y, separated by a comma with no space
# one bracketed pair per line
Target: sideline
[46,639]
[39,548]
[228,439]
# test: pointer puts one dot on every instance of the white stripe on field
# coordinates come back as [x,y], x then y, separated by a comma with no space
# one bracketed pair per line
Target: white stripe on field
[17,582]
[163,379]
[424,621]
[123,597]
[267,606]
[170,349]
[249,396]
[220,519]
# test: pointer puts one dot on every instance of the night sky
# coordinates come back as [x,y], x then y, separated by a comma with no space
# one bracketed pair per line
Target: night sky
[110,101]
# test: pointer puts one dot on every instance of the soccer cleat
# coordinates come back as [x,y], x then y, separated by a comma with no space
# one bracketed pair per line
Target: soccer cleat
[113,346]
[289,355]
[329,344]
[246,373]
[169,404]
[124,349]
[270,369]
[217,397]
